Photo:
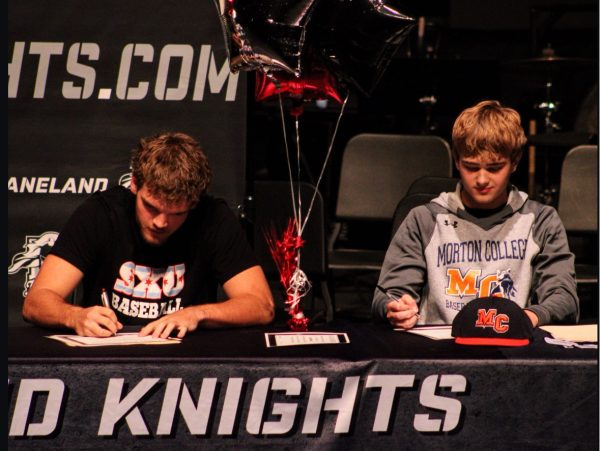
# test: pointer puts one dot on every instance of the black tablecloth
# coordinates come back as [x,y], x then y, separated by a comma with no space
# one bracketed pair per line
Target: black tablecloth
[367,341]
[225,389]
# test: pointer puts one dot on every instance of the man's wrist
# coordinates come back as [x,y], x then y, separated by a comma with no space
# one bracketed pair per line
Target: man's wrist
[70,316]
[201,314]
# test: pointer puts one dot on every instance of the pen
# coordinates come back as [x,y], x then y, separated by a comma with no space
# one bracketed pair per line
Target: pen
[387,293]
[104,298]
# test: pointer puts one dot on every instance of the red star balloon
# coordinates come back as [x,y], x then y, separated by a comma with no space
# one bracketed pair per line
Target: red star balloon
[317,84]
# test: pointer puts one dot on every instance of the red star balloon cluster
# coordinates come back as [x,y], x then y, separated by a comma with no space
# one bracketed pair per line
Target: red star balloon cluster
[313,49]
[308,50]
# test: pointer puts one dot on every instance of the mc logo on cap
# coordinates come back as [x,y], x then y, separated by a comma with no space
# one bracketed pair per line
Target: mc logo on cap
[492,321]
[491,318]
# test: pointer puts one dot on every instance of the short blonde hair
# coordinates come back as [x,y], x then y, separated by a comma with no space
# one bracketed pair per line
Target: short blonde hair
[488,127]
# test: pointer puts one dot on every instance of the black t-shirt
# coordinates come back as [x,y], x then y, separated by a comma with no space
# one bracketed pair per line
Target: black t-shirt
[145,282]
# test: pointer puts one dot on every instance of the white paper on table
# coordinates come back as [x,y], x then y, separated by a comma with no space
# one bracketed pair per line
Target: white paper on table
[441,332]
[580,332]
[275,339]
[120,339]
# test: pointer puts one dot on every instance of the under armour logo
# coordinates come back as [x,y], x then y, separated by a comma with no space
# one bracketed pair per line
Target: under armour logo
[453,224]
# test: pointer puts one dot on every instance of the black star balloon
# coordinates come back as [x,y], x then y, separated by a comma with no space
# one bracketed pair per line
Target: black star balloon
[351,40]
[266,35]
[356,39]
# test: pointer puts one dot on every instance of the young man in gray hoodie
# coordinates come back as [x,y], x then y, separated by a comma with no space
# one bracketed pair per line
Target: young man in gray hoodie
[484,239]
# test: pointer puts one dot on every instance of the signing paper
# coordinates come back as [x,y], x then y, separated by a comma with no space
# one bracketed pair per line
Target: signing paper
[442,332]
[120,339]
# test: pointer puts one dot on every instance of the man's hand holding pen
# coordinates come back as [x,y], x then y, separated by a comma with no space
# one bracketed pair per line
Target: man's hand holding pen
[402,312]
[107,320]
[95,321]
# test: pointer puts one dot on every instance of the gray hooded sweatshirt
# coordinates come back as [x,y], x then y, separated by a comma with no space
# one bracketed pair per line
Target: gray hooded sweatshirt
[444,257]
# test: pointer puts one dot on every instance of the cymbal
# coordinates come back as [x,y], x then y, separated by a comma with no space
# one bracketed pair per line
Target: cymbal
[539,71]
[551,61]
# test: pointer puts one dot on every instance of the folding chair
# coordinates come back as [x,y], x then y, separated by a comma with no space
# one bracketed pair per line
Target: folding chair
[578,210]
[377,170]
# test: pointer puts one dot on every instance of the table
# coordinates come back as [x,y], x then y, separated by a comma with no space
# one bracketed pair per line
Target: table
[224,389]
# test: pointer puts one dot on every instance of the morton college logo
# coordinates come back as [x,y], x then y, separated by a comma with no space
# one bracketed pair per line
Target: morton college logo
[36,248]
[472,283]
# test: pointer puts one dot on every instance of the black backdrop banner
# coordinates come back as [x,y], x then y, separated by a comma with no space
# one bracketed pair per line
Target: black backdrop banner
[86,80]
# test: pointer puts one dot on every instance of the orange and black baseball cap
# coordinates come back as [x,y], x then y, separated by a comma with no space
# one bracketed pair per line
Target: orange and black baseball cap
[492,321]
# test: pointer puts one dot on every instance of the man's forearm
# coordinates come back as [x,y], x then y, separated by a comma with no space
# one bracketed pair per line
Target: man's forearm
[46,308]
[240,311]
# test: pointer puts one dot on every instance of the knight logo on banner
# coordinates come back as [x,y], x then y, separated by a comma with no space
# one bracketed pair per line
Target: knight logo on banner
[30,260]
[37,247]
[125,180]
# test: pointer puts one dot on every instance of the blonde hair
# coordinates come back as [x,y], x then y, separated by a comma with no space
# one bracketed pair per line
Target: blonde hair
[172,166]
[488,127]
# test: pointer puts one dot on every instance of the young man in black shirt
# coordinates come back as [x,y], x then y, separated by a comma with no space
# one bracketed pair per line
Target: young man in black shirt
[156,252]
